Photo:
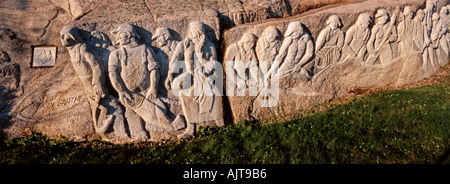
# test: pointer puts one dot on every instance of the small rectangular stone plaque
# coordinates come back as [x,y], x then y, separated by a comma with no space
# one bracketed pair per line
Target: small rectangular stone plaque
[44,56]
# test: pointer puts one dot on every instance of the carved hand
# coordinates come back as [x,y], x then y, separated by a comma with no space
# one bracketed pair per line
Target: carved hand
[168,83]
[99,91]
[151,95]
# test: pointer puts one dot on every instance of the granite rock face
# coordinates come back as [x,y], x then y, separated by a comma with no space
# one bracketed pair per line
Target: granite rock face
[358,45]
[117,63]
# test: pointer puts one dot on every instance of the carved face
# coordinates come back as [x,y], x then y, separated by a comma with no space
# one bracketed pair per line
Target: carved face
[99,39]
[420,15]
[193,34]
[196,31]
[248,45]
[294,30]
[333,22]
[67,40]
[364,21]
[123,38]
[297,34]
[382,20]
[271,36]
[334,25]
[408,12]
[162,40]
[444,11]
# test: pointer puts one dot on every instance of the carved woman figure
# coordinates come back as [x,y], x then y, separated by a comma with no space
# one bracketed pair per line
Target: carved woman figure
[198,52]
[167,45]
[329,44]
[438,35]
[267,49]
[268,44]
[443,22]
[447,23]
[102,45]
[297,49]
[422,38]
[242,56]
[406,30]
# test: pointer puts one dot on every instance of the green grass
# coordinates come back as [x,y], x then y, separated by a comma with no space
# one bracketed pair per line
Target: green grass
[399,126]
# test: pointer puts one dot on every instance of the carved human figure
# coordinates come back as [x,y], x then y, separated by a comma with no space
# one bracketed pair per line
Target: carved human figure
[447,22]
[406,32]
[167,44]
[445,16]
[422,38]
[329,44]
[87,65]
[102,44]
[438,35]
[297,49]
[91,73]
[267,49]
[268,44]
[243,57]
[197,52]
[382,35]
[430,8]
[134,73]
[443,41]
[356,38]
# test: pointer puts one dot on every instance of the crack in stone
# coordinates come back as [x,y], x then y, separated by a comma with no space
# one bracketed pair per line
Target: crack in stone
[149,11]
[49,21]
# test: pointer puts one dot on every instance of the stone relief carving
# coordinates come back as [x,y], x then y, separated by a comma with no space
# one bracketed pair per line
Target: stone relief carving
[30,105]
[297,49]
[197,52]
[167,44]
[268,44]
[439,40]
[444,23]
[9,72]
[267,48]
[447,22]
[134,73]
[421,38]
[329,44]
[144,80]
[102,45]
[91,73]
[243,57]
[44,56]
[406,32]
[356,38]
[382,35]
[430,8]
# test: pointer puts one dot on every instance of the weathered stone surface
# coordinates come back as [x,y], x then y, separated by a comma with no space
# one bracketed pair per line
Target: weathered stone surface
[60,100]
[112,77]
[382,53]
